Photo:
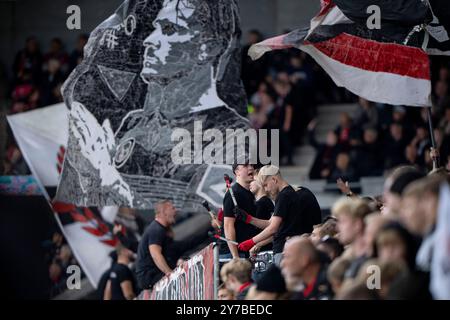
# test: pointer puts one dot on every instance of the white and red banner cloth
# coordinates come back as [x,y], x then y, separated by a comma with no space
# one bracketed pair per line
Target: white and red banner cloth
[42,135]
[388,65]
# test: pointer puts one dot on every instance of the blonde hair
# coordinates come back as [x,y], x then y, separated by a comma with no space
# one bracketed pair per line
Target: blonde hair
[268,171]
[240,268]
[336,270]
[420,188]
[354,208]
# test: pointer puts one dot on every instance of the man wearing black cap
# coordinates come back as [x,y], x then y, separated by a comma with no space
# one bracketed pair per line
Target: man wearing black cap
[270,285]
[237,230]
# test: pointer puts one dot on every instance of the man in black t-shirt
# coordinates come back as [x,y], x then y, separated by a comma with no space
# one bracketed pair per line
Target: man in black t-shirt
[158,253]
[237,230]
[295,213]
[121,284]
[264,210]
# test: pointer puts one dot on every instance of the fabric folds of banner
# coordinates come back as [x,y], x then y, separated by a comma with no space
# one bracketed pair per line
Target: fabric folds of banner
[374,65]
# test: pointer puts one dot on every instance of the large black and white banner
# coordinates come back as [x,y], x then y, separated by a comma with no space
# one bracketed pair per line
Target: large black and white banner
[152,67]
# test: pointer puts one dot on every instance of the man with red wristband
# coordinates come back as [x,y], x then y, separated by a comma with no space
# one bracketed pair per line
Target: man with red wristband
[295,213]
[235,228]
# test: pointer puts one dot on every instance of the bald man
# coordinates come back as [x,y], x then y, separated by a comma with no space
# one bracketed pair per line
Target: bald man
[304,273]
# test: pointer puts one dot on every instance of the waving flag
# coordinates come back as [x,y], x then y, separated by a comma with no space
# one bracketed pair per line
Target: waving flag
[42,144]
[386,65]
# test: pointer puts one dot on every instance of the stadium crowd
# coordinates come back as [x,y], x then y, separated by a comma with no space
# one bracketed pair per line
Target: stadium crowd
[393,232]
[36,82]
[284,89]
[393,239]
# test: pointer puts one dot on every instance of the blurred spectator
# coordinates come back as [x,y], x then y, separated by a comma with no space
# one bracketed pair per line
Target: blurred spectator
[129,227]
[65,258]
[325,229]
[262,104]
[236,274]
[395,244]
[15,163]
[367,114]
[77,54]
[331,247]
[270,286]
[28,60]
[281,117]
[400,116]
[357,290]
[325,153]
[57,52]
[421,143]
[52,81]
[440,95]
[53,246]
[25,94]
[57,279]
[4,106]
[336,273]
[373,222]
[369,158]
[426,191]
[343,169]
[346,132]
[444,124]
[225,294]
[389,272]
[391,196]
[394,147]
[304,273]
[253,72]
[121,284]
[351,214]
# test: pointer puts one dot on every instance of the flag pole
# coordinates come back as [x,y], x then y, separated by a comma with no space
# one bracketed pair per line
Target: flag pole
[433,141]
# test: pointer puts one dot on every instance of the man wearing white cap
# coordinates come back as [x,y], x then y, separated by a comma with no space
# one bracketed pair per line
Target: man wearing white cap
[295,213]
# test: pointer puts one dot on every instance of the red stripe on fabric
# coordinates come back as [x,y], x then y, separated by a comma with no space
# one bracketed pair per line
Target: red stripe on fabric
[61,207]
[376,56]
[277,43]
[325,7]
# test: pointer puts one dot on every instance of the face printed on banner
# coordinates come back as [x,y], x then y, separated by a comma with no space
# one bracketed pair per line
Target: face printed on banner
[168,46]
[163,65]
[179,40]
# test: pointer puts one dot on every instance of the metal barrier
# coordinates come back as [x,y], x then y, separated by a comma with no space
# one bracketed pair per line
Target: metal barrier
[195,279]
[198,278]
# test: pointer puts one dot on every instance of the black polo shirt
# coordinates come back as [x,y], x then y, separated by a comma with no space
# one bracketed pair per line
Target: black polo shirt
[245,201]
[299,210]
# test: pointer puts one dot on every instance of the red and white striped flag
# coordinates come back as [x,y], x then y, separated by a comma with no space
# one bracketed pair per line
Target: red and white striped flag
[372,64]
